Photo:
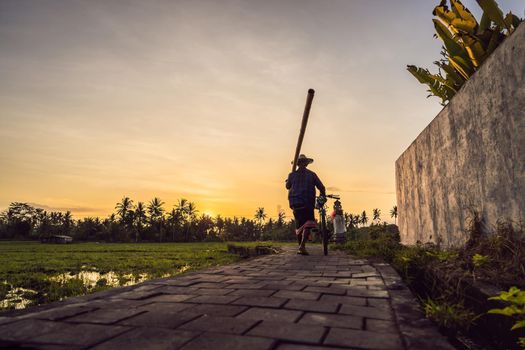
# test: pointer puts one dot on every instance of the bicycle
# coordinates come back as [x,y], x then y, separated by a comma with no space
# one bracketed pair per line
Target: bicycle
[320,205]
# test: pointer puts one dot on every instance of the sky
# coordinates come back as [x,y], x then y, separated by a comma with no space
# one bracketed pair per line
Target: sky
[203,99]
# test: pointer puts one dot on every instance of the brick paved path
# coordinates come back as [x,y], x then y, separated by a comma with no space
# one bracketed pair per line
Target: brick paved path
[285,302]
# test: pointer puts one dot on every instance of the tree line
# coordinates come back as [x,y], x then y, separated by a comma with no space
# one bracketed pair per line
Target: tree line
[151,222]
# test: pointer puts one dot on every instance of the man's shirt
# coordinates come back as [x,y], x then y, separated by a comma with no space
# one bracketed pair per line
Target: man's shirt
[301,186]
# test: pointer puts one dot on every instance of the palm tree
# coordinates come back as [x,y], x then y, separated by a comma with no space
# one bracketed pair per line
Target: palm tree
[357,220]
[280,218]
[123,208]
[140,219]
[182,206]
[219,223]
[174,219]
[67,221]
[192,211]
[188,212]
[393,213]
[376,215]
[156,212]
[260,215]
[364,218]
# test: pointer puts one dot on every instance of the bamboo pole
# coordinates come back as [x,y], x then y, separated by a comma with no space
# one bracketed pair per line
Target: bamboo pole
[309,99]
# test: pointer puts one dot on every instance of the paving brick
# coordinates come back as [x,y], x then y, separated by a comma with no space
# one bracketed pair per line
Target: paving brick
[165,307]
[148,338]
[176,282]
[38,346]
[214,285]
[211,291]
[289,331]
[253,292]
[361,292]
[326,290]
[171,298]
[363,339]
[219,324]
[365,274]
[290,287]
[343,300]
[368,283]
[268,314]
[213,299]
[261,301]
[215,341]
[332,320]
[136,294]
[25,329]
[380,326]
[176,290]
[59,313]
[162,319]
[245,286]
[81,334]
[366,311]
[308,305]
[241,280]
[4,320]
[211,278]
[217,310]
[105,316]
[303,347]
[118,304]
[379,303]
[289,294]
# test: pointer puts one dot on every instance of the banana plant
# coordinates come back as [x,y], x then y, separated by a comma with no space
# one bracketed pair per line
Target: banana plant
[466,44]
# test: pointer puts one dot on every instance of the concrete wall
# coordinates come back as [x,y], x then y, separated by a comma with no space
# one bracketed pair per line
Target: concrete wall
[471,156]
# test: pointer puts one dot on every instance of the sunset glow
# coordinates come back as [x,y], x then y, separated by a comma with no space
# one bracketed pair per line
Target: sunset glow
[203,100]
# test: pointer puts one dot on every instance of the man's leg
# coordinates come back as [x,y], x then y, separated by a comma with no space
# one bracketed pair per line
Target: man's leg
[299,238]
[304,238]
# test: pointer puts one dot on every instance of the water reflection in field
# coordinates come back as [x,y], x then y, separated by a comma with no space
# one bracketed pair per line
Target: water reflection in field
[17,298]
[92,280]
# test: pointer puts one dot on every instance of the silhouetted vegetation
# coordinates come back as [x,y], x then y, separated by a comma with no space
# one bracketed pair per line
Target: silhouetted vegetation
[151,222]
[143,222]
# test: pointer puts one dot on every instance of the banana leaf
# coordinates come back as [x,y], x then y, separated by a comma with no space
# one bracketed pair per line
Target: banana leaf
[512,21]
[461,66]
[474,49]
[516,21]
[446,16]
[495,39]
[464,19]
[433,82]
[453,47]
[451,73]
[491,8]
[484,23]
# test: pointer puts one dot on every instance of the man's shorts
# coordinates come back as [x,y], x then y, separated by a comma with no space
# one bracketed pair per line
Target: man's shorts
[302,215]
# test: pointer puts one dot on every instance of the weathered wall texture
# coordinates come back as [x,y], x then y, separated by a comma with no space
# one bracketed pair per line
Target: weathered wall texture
[471,156]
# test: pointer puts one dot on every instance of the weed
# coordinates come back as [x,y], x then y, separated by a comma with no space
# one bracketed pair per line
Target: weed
[449,316]
[515,300]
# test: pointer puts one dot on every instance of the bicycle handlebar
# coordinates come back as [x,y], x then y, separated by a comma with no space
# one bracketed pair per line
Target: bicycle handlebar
[333,196]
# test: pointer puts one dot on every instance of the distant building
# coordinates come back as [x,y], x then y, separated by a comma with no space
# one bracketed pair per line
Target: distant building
[57,239]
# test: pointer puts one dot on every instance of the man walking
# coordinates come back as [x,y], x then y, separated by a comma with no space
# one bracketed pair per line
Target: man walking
[301,185]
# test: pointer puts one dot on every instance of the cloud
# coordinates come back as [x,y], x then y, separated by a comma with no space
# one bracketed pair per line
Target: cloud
[72,209]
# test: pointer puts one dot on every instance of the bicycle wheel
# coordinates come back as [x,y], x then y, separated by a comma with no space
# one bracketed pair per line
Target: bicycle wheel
[324,232]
